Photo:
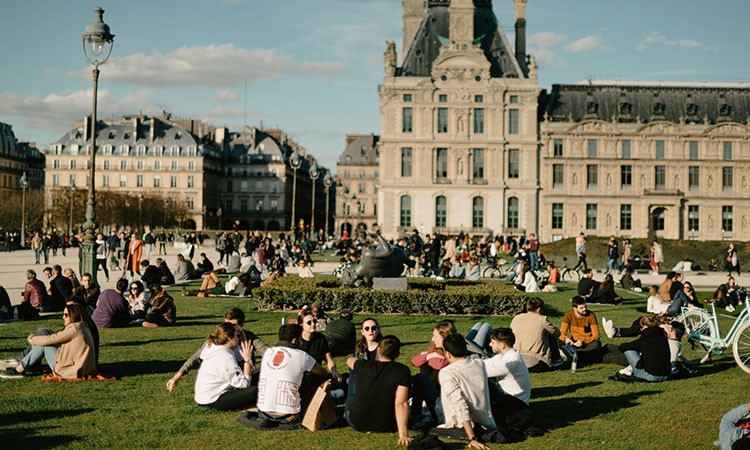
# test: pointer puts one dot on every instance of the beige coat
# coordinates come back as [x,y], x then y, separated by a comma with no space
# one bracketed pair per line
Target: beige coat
[533,332]
[75,355]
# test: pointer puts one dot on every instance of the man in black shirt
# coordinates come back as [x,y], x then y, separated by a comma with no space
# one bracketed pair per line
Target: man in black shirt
[381,402]
[341,335]
[588,285]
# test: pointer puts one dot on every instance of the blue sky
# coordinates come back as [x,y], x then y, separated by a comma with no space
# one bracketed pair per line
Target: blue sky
[312,67]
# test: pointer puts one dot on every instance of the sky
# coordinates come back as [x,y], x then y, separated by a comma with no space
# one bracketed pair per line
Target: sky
[312,67]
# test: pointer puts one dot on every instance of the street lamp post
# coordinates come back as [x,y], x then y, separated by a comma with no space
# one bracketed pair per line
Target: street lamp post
[140,211]
[24,185]
[166,204]
[314,174]
[327,182]
[295,161]
[100,41]
[70,197]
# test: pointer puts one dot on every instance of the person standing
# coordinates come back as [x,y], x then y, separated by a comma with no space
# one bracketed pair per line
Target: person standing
[36,244]
[581,252]
[135,251]
[101,254]
[733,262]
[657,256]
[613,254]
[532,249]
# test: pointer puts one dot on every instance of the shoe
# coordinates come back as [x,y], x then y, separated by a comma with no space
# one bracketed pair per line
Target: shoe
[626,371]
[622,377]
[730,308]
[706,357]
[609,328]
[557,363]
[7,363]
[10,374]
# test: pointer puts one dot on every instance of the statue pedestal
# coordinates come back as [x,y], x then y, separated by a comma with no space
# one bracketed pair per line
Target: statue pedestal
[389,284]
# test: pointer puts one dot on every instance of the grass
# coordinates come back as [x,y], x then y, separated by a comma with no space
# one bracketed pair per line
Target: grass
[136,411]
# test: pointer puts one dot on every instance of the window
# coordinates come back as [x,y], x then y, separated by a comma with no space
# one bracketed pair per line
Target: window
[479,99]
[557,215]
[407,98]
[157,182]
[407,122]
[727,218]
[660,153]
[243,205]
[693,149]
[660,178]
[274,205]
[513,121]
[105,180]
[123,165]
[441,163]
[243,186]
[442,120]
[72,164]
[174,165]
[557,148]
[625,149]
[361,188]
[477,212]
[191,165]
[56,164]
[727,153]
[513,210]
[727,177]
[479,120]
[591,214]
[592,144]
[693,218]
[442,98]
[441,211]
[405,216]
[106,164]
[191,181]
[258,185]
[190,203]
[406,162]
[513,99]
[123,180]
[56,180]
[592,176]
[157,165]
[478,170]
[139,181]
[626,217]
[173,181]
[513,164]
[626,177]
[694,178]
[658,219]
[230,185]
[558,176]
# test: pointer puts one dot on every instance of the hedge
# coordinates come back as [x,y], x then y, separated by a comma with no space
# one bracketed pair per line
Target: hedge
[424,296]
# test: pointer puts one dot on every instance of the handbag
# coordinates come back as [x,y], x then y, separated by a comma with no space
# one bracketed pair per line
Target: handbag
[320,413]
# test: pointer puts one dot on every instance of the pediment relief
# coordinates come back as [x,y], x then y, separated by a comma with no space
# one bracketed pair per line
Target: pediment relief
[463,64]
[728,129]
[660,128]
[594,126]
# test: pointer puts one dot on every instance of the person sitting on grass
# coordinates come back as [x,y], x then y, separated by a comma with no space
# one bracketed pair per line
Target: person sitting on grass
[221,383]
[588,285]
[304,270]
[426,382]
[606,292]
[211,285]
[162,312]
[137,301]
[654,304]
[526,281]
[184,270]
[584,330]
[474,273]
[381,404]
[283,396]
[316,310]
[649,355]
[204,266]
[87,293]
[167,277]
[35,297]
[734,429]
[112,310]
[151,274]
[729,295]
[341,334]
[685,298]
[510,383]
[554,273]
[536,337]
[628,282]
[315,343]
[234,316]
[69,353]
[464,393]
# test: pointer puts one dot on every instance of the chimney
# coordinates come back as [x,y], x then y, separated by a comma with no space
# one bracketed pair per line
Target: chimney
[221,136]
[86,128]
[136,128]
[521,35]
[413,14]
[461,21]
[152,130]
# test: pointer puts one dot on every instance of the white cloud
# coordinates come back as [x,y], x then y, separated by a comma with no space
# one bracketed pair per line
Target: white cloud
[587,43]
[656,38]
[210,65]
[225,96]
[546,39]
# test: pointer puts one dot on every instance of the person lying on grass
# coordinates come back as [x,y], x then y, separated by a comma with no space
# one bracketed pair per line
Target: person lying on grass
[235,316]
[221,383]
[649,355]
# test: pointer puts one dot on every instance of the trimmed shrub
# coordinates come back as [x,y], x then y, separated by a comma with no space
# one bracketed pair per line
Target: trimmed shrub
[424,296]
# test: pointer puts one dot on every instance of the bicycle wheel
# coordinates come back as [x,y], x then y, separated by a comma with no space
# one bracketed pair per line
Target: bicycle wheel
[491,272]
[741,347]
[571,275]
[699,332]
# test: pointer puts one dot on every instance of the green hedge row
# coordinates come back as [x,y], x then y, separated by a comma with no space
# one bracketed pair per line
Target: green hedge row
[424,296]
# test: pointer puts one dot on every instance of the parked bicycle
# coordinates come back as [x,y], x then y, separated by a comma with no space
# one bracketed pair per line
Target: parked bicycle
[498,268]
[568,273]
[705,340]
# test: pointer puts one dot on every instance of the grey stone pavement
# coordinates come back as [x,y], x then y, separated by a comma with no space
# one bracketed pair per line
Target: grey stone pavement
[13,266]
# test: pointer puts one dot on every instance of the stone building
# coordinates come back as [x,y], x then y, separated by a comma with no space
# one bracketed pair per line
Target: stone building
[357,172]
[17,158]
[665,160]
[459,124]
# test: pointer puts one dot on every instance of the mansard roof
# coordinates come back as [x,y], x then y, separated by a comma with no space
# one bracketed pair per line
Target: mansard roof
[255,143]
[435,26]
[361,150]
[643,102]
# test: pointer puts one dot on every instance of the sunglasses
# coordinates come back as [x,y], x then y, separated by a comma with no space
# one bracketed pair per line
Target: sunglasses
[373,328]
[310,322]
[134,288]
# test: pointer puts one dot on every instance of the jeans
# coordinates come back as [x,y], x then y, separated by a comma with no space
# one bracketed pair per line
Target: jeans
[534,260]
[612,265]
[425,390]
[35,353]
[633,357]
[37,254]
[480,334]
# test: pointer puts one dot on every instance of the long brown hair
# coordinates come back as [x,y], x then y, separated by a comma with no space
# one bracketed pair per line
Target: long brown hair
[223,334]
[361,347]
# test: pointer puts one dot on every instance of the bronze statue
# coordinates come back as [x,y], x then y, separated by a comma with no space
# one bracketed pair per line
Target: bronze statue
[383,260]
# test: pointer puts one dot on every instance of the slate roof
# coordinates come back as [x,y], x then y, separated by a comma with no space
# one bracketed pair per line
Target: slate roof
[356,146]
[649,102]
[426,45]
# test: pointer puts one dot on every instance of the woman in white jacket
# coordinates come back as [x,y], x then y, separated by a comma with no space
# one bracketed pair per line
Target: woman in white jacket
[221,383]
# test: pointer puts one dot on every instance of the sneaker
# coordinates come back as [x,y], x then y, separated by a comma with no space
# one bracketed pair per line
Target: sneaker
[10,374]
[730,308]
[557,363]
[609,328]
[7,363]
[628,371]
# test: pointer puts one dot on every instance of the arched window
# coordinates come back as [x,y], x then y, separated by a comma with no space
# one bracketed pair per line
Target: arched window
[405,211]
[441,211]
[513,207]
[477,212]
[658,219]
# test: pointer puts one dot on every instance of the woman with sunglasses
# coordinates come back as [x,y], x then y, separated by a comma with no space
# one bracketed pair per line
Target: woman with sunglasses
[684,298]
[137,300]
[69,352]
[367,344]
[316,345]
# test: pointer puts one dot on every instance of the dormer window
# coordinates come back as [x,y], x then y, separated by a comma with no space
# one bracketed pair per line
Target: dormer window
[659,109]
[725,111]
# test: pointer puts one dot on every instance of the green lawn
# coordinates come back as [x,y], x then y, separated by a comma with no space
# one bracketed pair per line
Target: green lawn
[581,410]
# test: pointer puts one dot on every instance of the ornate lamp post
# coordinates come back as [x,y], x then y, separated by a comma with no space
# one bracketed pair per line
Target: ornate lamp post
[166,204]
[203,215]
[100,41]
[70,197]
[24,184]
[327,182]
[140,211]
[314,174]
[295,161]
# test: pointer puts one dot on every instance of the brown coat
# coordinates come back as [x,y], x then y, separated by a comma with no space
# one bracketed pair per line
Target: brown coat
[533,333]
[75,355]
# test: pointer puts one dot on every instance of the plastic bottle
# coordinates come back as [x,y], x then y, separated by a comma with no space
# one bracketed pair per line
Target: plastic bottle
[283,320]
[574,362]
